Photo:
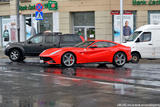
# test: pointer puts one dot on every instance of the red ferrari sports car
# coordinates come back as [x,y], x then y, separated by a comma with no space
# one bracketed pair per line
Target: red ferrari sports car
[88,52]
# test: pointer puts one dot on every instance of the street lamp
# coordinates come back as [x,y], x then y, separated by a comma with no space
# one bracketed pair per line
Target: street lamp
[18,21]
[121,21]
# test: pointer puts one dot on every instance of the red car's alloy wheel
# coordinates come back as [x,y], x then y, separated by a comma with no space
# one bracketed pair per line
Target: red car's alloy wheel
[68,59]
[119,59]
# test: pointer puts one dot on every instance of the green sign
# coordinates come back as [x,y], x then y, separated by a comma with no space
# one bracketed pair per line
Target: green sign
[144,2]
[51,5]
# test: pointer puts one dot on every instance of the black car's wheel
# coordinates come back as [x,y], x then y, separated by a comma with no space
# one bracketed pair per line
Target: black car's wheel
[68,59]
[15,55]
[135,58]
[119,59]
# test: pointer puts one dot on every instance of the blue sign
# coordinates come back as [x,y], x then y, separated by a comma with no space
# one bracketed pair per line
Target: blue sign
[39,7]
[39,15]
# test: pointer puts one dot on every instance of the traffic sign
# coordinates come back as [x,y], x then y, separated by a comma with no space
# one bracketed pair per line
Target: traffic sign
[52,5]
[39,15]
[39,7]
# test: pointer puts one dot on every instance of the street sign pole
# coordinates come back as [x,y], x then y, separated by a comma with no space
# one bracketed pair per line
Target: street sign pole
[121,21]
[18,21]
[39,13]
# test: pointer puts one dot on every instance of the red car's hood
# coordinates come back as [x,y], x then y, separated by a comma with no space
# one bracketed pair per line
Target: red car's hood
[52,50]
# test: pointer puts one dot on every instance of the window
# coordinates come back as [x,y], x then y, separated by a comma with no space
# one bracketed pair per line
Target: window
[67,38]
[134,36]
[47,22]
[71,38]
[104,44]
[84,19]
[84,44]
[36,39]
[50,39]
[145,37]
[4,0]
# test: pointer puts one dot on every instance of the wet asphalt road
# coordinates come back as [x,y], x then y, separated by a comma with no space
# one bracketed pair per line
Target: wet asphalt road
[31,84]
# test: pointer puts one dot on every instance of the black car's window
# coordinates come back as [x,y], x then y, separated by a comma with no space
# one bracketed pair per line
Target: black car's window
[36,39]
[67,38]
[50,39]
[70,38]
[103,44]
[145,37]
[77,38]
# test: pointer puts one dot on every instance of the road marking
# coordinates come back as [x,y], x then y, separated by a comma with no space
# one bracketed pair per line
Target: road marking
[107,83]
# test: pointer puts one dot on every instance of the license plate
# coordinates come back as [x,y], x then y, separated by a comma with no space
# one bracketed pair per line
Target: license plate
[41,61]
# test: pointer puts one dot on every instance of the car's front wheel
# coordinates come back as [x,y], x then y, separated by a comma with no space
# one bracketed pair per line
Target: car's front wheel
[15,55]
[119,59]
[68,59]
[135,58]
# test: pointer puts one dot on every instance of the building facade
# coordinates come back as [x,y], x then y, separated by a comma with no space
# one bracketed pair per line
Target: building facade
[94,19]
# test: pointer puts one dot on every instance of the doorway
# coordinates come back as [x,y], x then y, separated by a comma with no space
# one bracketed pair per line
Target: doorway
[88,32]
[84,24]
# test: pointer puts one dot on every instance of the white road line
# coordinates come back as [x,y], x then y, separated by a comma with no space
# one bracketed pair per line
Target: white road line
[107,83]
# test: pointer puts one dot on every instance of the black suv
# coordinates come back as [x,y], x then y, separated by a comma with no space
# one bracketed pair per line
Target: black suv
[40,42]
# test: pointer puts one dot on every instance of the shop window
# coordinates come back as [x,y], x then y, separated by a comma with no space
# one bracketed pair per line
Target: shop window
[154,17]
[129,24]
[4,0]
[84,24]
[84,19]
[47,22]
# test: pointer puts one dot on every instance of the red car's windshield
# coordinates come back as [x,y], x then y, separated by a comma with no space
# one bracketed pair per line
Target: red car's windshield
[84,44]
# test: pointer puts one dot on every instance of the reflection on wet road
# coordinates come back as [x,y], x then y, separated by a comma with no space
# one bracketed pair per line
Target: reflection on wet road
[38,85]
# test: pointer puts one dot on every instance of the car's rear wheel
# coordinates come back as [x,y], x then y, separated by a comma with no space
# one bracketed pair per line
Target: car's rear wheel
[15,55]
[135,58]
[119,59]
[68,59]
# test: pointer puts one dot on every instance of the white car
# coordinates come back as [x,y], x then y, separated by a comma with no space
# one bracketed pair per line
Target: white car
[145,43]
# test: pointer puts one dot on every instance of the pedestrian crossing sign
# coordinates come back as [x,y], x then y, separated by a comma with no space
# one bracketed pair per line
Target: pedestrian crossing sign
[39,15]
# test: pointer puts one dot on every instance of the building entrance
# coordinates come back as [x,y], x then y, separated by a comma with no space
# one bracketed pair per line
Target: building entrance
[88,32]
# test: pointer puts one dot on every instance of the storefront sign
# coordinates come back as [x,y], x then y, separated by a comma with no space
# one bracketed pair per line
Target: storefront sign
[51,5]
[117,12]
[144,2]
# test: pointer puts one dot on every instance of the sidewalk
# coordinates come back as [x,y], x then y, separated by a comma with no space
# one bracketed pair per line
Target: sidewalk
[2,53]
